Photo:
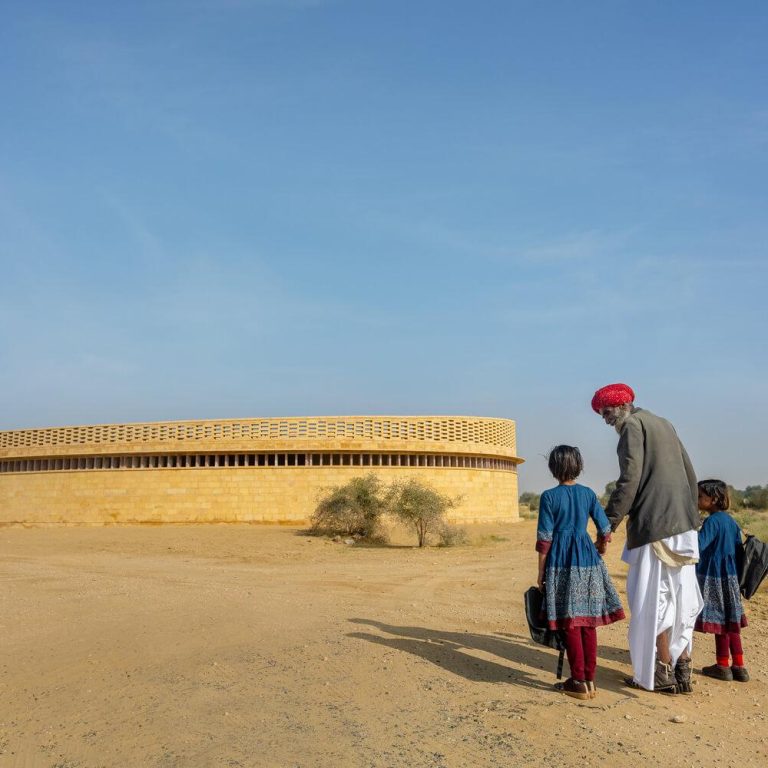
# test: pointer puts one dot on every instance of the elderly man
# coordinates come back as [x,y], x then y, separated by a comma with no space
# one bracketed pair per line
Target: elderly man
[657,493]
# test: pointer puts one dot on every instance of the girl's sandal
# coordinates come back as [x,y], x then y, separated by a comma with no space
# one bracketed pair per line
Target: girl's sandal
[575,688]
[740,674]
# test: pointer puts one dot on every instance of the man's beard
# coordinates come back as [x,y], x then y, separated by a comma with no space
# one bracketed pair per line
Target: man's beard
[620,419]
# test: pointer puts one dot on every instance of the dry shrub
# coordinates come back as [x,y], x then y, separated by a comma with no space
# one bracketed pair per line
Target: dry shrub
[354,509]
[452,536]
[419,507]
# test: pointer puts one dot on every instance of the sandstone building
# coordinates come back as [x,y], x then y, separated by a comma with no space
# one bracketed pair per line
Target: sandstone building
[248,470]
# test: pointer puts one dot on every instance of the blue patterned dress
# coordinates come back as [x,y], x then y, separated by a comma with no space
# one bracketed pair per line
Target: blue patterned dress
[720,552]
[579,591]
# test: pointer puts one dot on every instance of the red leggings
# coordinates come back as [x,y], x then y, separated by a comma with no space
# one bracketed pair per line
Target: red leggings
[581,648]
[729,644]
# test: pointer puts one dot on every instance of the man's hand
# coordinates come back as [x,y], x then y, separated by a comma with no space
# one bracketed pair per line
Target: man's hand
[601,545]
[540,582]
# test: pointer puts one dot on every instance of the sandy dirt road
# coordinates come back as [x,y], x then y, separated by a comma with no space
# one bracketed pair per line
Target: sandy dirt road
[257,646]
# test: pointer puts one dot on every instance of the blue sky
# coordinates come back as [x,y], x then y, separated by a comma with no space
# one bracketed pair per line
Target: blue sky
[232,208]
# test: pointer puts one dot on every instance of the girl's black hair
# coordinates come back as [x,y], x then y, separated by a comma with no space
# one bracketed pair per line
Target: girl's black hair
[565,462]
[716,490]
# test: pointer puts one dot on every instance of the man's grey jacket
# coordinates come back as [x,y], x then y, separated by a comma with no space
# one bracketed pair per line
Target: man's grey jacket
[656,489]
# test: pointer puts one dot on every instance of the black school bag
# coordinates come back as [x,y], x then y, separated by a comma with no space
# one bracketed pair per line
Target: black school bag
[754,566]
[537,625]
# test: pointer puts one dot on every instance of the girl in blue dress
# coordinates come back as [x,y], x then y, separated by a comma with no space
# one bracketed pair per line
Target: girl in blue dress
[579,593]
[720,555]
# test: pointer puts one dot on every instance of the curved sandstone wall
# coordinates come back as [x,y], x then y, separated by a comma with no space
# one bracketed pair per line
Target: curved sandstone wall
[248,470]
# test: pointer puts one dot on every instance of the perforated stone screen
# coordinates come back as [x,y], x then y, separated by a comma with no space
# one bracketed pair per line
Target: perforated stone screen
[488,435]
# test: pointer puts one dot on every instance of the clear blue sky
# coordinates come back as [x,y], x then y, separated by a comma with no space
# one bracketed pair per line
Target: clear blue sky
[231,208]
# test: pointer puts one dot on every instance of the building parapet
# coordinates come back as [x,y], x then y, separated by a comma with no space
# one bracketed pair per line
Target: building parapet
[410,434]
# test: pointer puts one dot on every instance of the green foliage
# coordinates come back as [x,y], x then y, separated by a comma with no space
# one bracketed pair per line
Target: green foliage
[419,506]
[752,497]
[609,489]
[358,509]
[743,517]
[752,522]
[755,497]
[759,526]
[530,500]
[353,509]
[736,497]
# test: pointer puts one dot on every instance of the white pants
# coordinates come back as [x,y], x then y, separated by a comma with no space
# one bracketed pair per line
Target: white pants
[661,599]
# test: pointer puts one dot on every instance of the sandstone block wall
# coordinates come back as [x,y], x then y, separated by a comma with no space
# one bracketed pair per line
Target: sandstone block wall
[51,476]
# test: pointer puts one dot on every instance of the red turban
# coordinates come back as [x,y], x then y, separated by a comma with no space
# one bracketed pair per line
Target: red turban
[611,396]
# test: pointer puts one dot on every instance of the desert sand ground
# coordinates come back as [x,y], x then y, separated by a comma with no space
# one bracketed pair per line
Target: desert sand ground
[257,646]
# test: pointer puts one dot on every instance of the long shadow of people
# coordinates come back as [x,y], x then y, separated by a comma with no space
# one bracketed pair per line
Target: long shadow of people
[453,651]
[607,652]
[451,656]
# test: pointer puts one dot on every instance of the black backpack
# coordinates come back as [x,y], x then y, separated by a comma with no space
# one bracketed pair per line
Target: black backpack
[537,625]
[754,566]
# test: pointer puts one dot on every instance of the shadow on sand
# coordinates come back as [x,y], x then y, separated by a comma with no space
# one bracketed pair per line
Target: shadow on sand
[606,652]
[455,652]
[358,543]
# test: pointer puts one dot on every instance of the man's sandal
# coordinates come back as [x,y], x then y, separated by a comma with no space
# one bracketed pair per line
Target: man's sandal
[630,682]
[683,676]
[664,680]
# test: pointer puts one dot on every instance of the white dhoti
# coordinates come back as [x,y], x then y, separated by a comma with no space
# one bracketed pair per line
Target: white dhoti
[661,598]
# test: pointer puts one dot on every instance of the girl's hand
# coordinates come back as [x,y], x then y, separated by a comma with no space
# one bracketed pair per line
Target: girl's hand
[601,545]
[542,570]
